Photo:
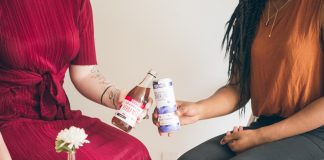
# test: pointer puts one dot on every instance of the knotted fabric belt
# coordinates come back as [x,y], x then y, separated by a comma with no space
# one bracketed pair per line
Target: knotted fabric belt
[53,103]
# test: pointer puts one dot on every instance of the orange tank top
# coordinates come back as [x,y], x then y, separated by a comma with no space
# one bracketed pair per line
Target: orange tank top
[287,68]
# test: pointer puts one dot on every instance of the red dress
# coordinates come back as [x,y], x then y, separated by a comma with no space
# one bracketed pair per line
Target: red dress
[39,40]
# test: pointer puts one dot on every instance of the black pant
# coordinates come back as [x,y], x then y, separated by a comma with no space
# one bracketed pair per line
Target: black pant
[307,146]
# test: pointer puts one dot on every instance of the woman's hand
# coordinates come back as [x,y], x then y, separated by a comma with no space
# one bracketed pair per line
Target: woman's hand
[241,140]
[119,99]
[144,114]
[188,113]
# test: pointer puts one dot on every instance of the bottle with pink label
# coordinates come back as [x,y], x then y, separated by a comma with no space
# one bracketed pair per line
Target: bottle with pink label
[134,104]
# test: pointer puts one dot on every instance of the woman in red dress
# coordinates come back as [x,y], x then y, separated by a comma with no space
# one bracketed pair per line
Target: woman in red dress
[39,41]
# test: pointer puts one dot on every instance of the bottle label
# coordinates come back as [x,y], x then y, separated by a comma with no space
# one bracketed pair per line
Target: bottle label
[169,122]
[168,119]
[130,110]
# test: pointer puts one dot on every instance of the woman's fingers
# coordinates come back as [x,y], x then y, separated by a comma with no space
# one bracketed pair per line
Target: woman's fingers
[149,103]
[155,117]
[144,114]
[227,134]
[179,103]
[231,137]
[186,120]
[118,101]
[182,110]
[241,128]
[235,129]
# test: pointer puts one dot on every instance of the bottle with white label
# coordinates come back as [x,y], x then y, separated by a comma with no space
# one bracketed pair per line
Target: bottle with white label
[134,104]
[166,105]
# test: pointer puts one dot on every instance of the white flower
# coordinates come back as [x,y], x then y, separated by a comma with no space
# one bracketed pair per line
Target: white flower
[71,138]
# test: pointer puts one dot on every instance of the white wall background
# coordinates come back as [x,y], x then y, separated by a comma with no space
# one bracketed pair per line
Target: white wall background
[180,39]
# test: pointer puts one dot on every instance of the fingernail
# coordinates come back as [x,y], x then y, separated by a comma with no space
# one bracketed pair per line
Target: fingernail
[221,141]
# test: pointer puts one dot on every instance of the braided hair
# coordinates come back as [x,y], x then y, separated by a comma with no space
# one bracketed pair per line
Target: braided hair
[239,35]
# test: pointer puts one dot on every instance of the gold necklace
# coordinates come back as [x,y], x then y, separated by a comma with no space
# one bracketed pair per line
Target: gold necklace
[275,15]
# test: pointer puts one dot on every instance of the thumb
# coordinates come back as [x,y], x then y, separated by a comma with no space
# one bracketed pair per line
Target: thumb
[122,95]
[183,115]
[182,107]
[182,110]
[119,98]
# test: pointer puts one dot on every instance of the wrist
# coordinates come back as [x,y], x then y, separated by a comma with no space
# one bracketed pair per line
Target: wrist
[110,97]
[263,135]
[199,109]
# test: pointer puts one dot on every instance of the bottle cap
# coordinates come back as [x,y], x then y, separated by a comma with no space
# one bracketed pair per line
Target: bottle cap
[152,73]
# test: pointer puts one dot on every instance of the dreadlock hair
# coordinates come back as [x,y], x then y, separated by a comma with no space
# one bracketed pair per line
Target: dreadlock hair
[238,38]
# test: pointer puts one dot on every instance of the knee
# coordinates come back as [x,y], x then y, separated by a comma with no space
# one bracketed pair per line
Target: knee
[183,157]
[192,155]
[247,157]
[139,145]
[186,157]
[242,158]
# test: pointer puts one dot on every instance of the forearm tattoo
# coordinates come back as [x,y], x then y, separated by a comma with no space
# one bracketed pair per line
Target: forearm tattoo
[110,89]
[95,73]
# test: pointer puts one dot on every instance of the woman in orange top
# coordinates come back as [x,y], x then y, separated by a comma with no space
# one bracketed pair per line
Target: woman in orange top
[276,60]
